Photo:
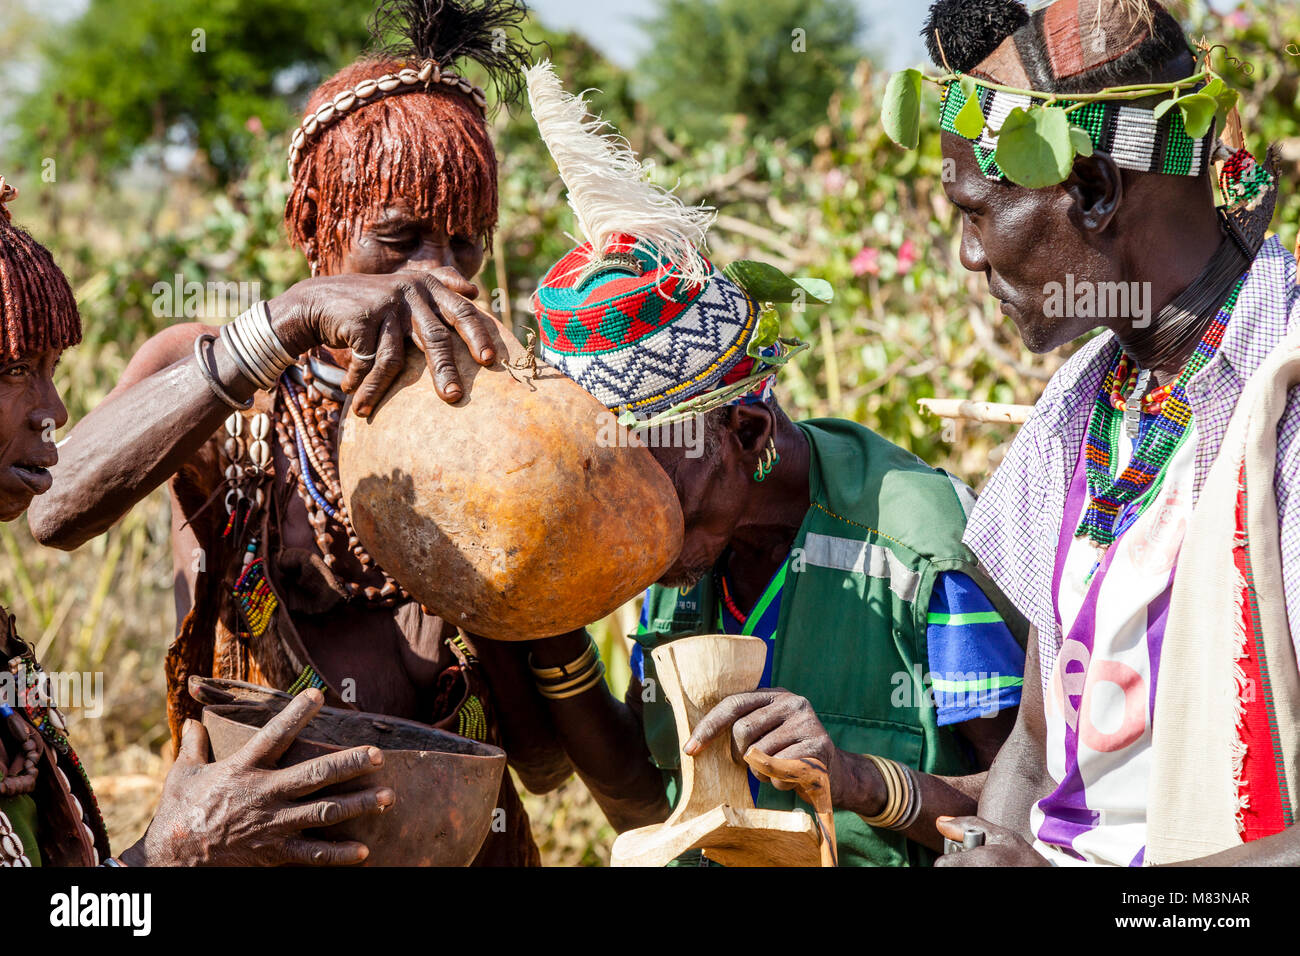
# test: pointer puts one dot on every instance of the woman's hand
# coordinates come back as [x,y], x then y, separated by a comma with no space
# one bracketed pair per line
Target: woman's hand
[373,315]
[242,811]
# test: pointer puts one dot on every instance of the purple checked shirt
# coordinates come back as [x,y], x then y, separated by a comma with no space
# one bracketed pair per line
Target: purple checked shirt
[1016,525]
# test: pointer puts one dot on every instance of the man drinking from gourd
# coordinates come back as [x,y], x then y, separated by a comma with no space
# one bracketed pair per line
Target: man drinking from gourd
[838,549]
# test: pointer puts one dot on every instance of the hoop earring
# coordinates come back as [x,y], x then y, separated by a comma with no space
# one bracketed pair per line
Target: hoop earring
[771,458]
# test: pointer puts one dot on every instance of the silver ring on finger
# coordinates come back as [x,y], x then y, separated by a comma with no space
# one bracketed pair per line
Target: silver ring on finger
[364,358]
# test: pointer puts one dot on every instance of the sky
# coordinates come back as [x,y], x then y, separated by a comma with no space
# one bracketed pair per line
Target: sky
[612,26]
[892,26]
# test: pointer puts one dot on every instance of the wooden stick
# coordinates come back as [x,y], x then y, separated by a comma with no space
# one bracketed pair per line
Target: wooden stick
[812,784]
[977,411]
[503,282]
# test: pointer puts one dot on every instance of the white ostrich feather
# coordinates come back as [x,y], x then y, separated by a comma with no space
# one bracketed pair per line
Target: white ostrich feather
[608,187]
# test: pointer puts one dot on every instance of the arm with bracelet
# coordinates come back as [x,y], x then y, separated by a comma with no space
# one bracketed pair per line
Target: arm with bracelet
[187,379]
[602,736]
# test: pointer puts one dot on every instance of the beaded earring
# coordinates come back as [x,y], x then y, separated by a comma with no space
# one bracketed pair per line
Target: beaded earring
[771,458]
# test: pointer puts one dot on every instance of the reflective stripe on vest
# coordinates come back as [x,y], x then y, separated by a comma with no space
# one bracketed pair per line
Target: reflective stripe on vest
[862,557]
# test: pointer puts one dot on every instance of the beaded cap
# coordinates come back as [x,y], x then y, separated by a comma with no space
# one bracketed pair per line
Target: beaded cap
[647,341]
[1133,136]
[638,315]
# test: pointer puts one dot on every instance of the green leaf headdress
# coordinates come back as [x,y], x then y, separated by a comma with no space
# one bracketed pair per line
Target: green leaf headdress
[1032,137]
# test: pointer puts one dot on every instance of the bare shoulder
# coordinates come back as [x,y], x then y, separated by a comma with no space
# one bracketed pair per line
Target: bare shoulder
[165,348]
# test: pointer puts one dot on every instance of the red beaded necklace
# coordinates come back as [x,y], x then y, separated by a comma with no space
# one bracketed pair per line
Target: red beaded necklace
[729,603]
[1122,380]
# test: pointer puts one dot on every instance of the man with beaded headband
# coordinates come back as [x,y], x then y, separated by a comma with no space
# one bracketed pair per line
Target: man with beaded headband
[840,550]
[1144,518]
[48,812]
[393,200]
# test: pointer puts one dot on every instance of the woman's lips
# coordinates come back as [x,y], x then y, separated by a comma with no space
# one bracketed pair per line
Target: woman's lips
[35,477]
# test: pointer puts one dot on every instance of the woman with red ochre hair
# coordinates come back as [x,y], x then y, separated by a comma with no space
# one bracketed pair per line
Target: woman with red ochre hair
[255,813]
[394,197]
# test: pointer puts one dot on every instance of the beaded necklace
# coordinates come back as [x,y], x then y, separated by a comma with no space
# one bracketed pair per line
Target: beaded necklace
[1109,495]
[42,716]
[741,618]
[249,470]
[1121,382]
[307,425]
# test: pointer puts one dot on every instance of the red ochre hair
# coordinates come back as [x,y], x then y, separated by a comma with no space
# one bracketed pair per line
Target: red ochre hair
[37,309]
[430,148]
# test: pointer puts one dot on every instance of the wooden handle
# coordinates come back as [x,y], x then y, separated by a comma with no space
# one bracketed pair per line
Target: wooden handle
[812,784]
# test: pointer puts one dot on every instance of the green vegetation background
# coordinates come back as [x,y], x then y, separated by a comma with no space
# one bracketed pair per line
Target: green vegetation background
[141,157]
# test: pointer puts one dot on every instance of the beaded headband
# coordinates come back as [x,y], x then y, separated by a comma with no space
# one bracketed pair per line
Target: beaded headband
[1135,138]
[407,80]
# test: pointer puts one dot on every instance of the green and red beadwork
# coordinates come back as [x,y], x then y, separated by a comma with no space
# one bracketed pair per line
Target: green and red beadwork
[1110,495]
[636,334]
[45,717]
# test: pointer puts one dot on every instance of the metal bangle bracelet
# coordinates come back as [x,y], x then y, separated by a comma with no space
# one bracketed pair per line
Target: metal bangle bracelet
[233,346]
[256,327]
[264,312]
[210,377]
[914,795]
[245,357]
[268,363]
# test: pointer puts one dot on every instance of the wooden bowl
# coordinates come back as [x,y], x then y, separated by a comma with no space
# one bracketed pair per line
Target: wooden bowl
[446,785]
[519,512]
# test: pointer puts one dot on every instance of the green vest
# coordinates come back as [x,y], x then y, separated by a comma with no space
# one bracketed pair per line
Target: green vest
[851,633]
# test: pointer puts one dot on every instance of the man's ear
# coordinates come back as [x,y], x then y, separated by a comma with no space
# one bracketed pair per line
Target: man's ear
[752,426]
[1097,186]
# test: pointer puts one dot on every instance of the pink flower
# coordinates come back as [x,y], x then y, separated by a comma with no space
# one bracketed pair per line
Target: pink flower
[834,181]
[907,257]
[254,125]
[1238,19]
[866,262]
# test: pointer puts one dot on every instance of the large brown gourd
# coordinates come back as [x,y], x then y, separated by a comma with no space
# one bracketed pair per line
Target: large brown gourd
[519,512]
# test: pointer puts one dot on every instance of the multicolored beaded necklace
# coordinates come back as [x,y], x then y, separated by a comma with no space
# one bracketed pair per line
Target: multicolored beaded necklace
[307,425]
[1108,495]
[42,714]
[248,472]
[1121,382]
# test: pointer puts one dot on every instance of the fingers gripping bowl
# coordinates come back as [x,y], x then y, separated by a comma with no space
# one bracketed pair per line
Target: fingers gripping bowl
[446,785]
[519,512]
